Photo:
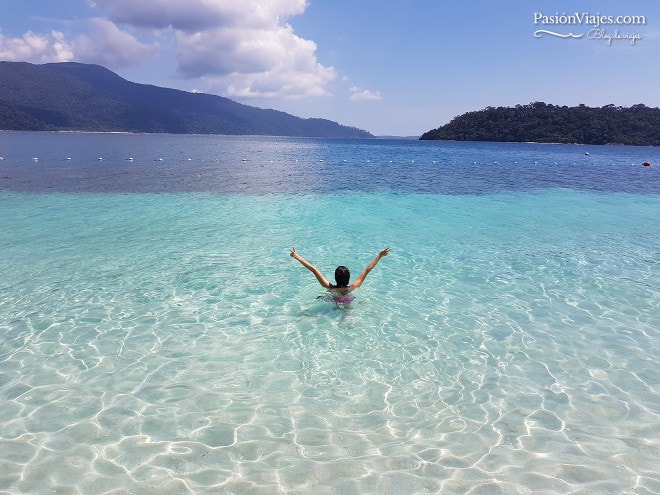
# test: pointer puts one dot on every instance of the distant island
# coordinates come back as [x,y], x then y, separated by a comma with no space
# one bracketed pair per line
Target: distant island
[539,122]
[81,97]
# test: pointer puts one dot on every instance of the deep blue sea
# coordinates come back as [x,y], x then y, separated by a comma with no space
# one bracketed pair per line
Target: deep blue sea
[156,336]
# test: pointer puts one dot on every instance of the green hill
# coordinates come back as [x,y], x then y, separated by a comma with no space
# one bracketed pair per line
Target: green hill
[81,97]
[538,122]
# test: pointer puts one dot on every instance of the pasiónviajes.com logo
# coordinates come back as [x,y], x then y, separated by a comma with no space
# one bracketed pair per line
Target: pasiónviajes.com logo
[608,28]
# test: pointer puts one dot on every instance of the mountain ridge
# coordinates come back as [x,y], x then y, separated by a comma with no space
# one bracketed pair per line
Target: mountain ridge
[71,96]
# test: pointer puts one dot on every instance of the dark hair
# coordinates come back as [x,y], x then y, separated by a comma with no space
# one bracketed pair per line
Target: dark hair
[342,275]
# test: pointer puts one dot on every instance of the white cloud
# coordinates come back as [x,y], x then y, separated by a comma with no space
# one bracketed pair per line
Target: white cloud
[36,48]
[364,94]
[198,15]
[254,63]
[278,83]
[241,48]
[109,46]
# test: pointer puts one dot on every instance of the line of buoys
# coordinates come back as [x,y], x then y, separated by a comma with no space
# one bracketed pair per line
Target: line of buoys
[245,160]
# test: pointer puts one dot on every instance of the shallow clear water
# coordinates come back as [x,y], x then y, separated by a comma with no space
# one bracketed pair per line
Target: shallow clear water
[155,336]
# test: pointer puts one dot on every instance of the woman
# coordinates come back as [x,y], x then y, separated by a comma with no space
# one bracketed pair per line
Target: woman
[341,291]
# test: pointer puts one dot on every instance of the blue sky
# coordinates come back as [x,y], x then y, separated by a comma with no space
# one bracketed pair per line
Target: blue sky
[398,67]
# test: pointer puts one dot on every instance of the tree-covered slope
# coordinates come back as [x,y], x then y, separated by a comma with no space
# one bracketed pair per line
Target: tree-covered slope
[543,123]
[82,97]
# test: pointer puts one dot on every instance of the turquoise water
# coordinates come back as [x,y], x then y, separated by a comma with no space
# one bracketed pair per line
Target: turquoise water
[165,342]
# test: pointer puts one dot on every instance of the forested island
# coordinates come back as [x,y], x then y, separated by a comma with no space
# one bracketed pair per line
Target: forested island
[82,97]
[539,122]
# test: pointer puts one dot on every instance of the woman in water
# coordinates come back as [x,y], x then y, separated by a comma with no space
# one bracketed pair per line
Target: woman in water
[341,291]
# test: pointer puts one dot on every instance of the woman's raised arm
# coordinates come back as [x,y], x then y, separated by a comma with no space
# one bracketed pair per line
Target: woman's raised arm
[322,280]
[363,275]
